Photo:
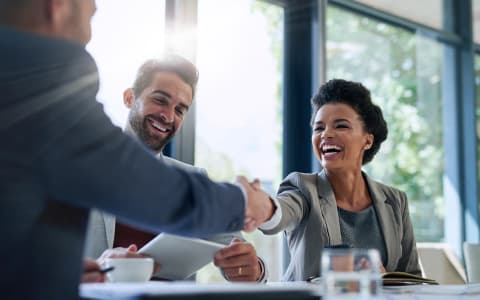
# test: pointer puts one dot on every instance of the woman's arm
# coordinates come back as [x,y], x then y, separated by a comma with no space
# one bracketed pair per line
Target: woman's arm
[292,206]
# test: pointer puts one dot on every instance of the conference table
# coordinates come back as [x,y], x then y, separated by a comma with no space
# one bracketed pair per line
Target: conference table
[251,291]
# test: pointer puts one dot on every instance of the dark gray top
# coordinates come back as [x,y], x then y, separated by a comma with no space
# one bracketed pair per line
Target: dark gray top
[361,230]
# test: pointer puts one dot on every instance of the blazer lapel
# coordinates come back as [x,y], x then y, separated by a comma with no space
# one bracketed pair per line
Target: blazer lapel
[386,220]
[328,208]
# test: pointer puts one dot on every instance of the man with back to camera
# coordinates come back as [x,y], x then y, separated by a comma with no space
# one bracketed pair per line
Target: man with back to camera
[160,98]
[61,156]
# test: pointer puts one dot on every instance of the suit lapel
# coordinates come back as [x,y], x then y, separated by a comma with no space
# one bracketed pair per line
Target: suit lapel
[328,208]
[386,220]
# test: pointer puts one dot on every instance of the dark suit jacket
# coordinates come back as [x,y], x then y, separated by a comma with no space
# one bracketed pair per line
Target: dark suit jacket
[60,155]
[310,221]
[101,226]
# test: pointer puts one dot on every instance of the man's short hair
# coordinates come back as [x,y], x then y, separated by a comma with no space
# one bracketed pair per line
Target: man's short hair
[170,63]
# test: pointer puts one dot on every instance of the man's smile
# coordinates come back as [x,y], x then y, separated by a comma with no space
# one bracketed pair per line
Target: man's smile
[159,126]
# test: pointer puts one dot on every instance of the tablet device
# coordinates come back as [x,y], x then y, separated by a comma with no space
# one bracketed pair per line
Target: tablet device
[179,257]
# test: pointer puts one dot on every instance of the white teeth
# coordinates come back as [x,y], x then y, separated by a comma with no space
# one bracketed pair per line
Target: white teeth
[162,129]
[329,147]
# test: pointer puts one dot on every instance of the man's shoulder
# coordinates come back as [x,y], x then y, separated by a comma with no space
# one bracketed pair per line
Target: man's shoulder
[46,67]
[182,165]
[44,47]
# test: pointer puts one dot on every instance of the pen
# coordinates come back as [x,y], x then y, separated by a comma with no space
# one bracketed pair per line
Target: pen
[314,279]
[106,270]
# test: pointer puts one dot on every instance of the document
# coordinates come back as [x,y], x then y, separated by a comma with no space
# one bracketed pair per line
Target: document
[179,257]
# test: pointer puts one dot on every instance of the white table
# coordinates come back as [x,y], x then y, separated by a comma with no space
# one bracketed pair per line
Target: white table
[191,290]
[434,292]
[252,291]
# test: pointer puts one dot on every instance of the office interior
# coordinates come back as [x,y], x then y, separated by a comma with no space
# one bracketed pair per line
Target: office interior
[260,62]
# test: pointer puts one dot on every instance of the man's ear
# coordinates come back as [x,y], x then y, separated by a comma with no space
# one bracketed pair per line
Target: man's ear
[57,13]
[128,97]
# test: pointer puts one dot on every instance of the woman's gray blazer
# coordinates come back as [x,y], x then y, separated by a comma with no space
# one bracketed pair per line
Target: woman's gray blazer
[310,221]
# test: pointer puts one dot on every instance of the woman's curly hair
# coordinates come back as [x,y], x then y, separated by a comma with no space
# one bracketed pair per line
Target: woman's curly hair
[356,96]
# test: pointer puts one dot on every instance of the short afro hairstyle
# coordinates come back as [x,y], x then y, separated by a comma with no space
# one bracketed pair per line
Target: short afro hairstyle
[356,96]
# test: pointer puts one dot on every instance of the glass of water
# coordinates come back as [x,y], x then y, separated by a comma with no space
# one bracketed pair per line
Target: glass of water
[351,273]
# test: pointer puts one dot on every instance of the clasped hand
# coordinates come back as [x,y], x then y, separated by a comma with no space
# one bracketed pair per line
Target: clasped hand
[260,206]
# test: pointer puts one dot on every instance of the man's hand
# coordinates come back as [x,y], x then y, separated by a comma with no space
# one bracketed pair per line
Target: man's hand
[260,207]
[91,271]
[238,261]
[130,252]
[120,252]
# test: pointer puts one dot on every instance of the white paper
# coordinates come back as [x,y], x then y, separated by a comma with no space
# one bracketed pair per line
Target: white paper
[179,257]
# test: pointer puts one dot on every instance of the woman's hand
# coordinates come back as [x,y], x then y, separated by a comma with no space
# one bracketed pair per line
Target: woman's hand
[382,269]
[365,264]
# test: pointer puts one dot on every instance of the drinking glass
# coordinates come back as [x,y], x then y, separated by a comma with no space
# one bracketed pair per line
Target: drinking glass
[351,274]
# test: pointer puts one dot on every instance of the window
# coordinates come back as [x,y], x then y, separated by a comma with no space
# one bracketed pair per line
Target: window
[477,112]
[476,20]
[426,12]
[238,128]
[403,72]
[120,47]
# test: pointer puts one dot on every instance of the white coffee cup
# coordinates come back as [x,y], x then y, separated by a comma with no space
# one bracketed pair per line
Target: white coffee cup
[130,269]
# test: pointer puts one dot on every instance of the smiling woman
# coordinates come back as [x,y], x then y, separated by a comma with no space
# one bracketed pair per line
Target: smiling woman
[352,100]
[403,71]
[339,136]
[341,204]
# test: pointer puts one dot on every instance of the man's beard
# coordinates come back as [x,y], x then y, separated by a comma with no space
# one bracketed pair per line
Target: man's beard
[140,127]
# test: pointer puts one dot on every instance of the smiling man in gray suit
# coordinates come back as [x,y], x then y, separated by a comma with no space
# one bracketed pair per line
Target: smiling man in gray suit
[61,156]
[161,95]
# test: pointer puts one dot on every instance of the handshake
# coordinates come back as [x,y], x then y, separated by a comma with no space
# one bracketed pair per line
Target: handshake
[260,207]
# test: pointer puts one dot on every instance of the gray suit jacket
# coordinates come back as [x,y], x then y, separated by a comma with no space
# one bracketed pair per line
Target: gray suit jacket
[60,155]
[101,226]
[310,221]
